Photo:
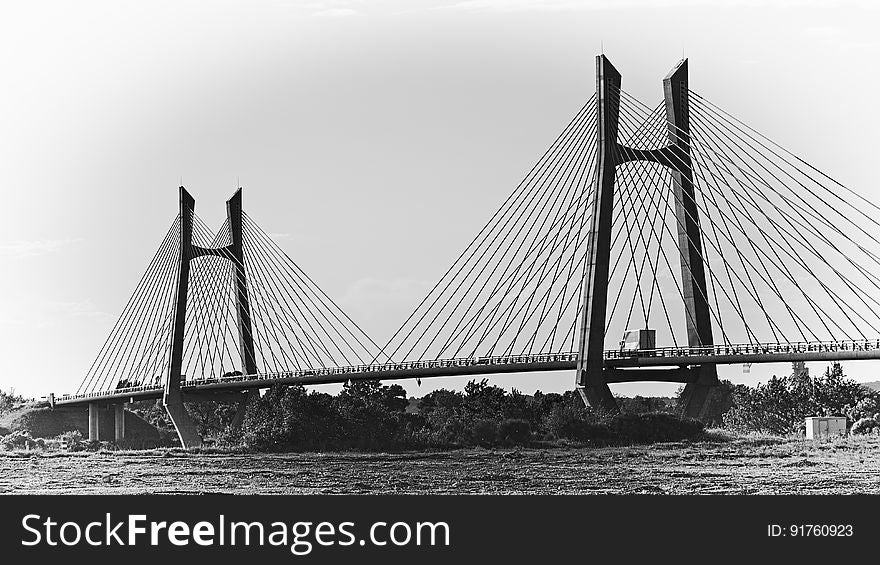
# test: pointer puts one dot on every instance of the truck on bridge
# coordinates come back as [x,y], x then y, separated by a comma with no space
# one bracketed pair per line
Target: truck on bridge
[639,342]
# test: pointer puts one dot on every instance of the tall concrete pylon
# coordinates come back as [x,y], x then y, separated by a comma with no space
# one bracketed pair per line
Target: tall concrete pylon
[172,397]
[592,378]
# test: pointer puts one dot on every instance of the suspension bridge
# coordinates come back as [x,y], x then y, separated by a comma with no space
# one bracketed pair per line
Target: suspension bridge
[677,226]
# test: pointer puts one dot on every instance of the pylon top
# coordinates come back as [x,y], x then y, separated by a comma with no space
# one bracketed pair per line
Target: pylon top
[680,69]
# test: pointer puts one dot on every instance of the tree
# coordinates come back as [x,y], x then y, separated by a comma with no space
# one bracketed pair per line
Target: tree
[482,400]
[211,417]
[781,405]
[8,400]
[440,398]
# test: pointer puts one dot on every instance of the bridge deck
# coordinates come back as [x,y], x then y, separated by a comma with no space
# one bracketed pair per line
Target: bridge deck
[628,365]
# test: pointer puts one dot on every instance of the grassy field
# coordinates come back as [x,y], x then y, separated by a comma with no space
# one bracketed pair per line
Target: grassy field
[719,465]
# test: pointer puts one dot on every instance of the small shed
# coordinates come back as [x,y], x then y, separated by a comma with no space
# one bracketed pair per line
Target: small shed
[819,427]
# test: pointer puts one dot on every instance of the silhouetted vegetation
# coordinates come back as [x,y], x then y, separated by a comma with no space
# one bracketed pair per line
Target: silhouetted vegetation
[208,416]
[370,416]
[780,406]
[8,400]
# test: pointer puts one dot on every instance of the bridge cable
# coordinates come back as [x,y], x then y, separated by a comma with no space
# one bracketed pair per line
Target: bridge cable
[92,375]
[482,236]
[543,201]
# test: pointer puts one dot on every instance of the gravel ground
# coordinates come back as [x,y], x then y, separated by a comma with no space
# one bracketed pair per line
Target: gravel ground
[725,465]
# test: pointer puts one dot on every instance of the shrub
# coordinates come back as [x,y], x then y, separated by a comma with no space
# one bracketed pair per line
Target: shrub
[570,419]
[229,437]
[369,416]
[653,427]
[211,418]
[8,400]
[73,440]
[866,407]
[484,432]
[514,431]
[17,440]
[864,426]
[643,405]
[448,429]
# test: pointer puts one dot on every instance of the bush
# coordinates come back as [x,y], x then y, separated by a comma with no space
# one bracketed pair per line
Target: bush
[643,405]
[570,419]
[369,416]
[211,418]
[864,426]
[484,432]
[514,431]
[17,440]
[653,427]
[8,400]
[867,407]
[73,440]
[365,415]
[229,437]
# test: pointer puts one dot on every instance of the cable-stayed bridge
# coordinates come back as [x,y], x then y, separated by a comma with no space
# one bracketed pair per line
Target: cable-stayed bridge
[677,226]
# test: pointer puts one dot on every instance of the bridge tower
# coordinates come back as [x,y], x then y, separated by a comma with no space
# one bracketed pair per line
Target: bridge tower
[592,378]
[172,397]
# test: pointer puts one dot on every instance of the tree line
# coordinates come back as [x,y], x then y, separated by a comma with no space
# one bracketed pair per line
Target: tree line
[370,416]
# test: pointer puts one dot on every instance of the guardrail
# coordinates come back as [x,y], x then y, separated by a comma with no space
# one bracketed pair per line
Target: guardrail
[678,353]
[752,349]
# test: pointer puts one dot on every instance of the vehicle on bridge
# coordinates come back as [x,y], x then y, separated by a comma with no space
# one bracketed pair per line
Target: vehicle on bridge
[641,342]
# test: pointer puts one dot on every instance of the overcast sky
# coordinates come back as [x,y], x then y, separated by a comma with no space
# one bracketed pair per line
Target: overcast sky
[373,139]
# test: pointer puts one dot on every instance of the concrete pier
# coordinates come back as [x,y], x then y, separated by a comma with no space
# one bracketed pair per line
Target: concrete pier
[119,413]
[94,419]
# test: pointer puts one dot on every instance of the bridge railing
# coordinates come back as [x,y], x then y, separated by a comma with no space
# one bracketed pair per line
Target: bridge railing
[386,367]
[678,353]
[123,391]
[750,349]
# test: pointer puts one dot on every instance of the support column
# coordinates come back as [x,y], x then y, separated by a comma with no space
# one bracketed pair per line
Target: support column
[690,245]
[590,379]
[172,398]
[94,421]
[119,419]
[243,308]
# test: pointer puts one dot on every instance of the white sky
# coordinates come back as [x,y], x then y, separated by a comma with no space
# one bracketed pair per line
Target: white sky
[373,138]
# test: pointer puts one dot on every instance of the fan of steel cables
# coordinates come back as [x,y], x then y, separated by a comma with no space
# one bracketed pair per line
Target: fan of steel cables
[294,325]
